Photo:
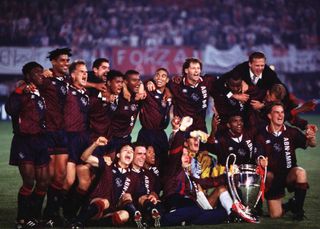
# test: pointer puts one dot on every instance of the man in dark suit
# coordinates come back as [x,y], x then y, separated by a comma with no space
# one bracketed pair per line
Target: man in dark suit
[253,72]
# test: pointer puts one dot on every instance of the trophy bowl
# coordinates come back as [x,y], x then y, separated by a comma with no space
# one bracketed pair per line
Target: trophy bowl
[247,184]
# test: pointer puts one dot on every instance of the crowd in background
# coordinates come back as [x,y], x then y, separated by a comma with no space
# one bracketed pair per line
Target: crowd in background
[138,23]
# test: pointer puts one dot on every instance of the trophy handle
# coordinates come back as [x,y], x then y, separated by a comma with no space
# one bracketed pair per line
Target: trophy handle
[231,184]
[263,181]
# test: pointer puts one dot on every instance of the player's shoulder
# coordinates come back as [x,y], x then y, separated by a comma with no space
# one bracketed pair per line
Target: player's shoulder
[293,130]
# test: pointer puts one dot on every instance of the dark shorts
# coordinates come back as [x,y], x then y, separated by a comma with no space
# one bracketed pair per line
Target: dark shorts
[158,139]
[57,142]
[278,186]
[32,149]
[77,143]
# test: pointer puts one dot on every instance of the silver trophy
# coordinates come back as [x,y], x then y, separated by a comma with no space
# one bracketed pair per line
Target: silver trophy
[245,183]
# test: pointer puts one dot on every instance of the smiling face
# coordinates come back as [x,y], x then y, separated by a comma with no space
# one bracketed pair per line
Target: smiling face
[161,79]
[257,65]
[193,72]
[80,76]
[139,157]
[276,116]
[235,125]
[60,65]
[125,156]
[150,156]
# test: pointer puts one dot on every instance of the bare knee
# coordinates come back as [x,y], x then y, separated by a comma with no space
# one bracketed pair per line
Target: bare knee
[60,168]
[28,180]
[103,203]
[84,184]
[301,175]
[84,177]
[221,189]
[142,199]
[298,175]
[60,175]
[68,182]
[28,183]
[120,217]
[275,208]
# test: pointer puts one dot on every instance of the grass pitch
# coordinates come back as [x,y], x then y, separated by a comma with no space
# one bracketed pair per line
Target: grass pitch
[309,159]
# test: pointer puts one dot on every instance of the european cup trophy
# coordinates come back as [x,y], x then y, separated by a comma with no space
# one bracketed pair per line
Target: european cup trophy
[246,184]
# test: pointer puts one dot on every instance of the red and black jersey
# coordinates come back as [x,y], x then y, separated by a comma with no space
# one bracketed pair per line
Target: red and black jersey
[124,117]
[192,100]
[93,92]
[176,180]
[180,182]
[54,91]
[226,106]
[154,174]
[27,111]
[154,112]
[138,183]
[111,183]
[100,115]
[76,110]
[243,147]
[280,148]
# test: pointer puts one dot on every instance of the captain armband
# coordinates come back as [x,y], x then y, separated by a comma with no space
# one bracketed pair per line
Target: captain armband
[229,95]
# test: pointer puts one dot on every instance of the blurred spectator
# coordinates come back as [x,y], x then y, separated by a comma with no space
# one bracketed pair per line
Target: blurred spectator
[135,23]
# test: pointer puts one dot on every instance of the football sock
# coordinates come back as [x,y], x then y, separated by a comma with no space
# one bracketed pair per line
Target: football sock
[73,202]
[148,206]
[130,208]
[37,202]
[300,195]
[95,209]
[24,201]
[54,198]
[226,201]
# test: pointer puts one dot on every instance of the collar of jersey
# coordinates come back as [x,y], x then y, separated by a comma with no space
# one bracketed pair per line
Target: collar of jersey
[276,133]
[186,83]
[82,91]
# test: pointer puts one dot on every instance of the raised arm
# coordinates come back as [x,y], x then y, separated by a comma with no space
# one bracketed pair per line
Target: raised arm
[87,154]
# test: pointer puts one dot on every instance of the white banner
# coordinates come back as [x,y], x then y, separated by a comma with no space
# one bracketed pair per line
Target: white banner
[215,60]
[288,60]
[13,58]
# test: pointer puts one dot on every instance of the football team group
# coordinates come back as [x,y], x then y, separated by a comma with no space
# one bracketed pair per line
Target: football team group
[72,144]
